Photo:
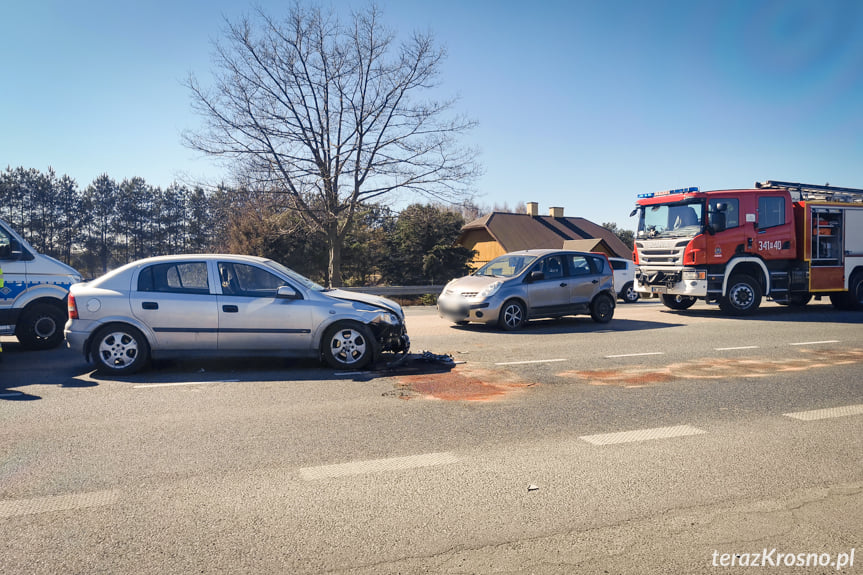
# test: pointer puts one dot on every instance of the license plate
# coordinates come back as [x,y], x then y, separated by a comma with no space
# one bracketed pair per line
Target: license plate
[658,289]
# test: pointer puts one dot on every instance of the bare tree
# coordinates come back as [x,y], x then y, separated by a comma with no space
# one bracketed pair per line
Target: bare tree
[327,114]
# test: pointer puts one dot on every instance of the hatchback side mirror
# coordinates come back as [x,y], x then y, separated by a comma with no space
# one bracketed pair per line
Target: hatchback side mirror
[536,276]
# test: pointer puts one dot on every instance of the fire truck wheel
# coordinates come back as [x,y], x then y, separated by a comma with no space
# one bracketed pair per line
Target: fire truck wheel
[744,296]
[678,301]
[855,292]
[797,300]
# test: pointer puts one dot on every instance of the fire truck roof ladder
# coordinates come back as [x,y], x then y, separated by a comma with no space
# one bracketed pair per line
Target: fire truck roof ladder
[814,192]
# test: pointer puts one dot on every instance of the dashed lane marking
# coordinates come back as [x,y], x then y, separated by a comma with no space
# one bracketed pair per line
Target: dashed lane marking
[735,348]
[816,414]
[530,361]
[815,342]
[642,435]
[636,354]
[70,502]
[377,466]
[180,383]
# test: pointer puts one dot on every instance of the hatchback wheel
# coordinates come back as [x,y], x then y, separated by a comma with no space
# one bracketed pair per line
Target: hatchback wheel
[602,308]
[513,315]
[348,345]
[120,349]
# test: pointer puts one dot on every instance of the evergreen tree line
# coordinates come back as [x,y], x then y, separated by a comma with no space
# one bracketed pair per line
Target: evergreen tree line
[108,224]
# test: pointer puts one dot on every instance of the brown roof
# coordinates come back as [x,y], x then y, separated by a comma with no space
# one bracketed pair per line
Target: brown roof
[522,232]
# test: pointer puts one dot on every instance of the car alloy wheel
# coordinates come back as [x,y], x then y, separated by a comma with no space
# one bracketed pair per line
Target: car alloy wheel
[348,345]
[120,349]
[513,315]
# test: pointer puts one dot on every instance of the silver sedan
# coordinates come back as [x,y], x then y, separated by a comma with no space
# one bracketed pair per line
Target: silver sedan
[224,305]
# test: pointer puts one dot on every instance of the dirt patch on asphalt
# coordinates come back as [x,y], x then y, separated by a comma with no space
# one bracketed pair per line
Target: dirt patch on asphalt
[460,384]
[715,368]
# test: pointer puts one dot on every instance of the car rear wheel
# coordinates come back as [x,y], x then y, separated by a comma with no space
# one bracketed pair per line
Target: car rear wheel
[628,293]
[120,349]
[513,315]
[348,345]
[41,326]
[602,308]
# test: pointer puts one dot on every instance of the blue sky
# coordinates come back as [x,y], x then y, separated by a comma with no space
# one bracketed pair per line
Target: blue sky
[581,104]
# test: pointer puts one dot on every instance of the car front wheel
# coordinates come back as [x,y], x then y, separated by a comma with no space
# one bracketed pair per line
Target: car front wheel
[41,326]
[348,345]
[119,350]
[513,315]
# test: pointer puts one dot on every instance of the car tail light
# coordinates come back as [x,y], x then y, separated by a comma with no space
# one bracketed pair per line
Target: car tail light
[73,307]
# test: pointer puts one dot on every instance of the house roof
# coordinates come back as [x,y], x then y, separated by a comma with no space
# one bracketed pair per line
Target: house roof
[521,231]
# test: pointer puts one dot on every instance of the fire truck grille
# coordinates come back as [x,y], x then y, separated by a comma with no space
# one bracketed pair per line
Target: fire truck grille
[665,254]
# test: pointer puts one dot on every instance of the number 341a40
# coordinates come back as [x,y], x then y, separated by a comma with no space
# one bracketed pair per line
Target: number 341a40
[767,246]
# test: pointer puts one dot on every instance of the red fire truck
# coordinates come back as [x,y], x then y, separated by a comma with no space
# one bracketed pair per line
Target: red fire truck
[784,240]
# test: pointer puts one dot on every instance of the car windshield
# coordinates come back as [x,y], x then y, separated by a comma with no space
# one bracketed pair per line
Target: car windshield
[671,220]
[506,266]
[297,277]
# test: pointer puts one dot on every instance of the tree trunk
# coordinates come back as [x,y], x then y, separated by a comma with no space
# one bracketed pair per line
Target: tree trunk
[335,268]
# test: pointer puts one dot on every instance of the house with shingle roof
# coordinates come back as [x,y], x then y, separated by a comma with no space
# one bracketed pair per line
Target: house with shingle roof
[498,233]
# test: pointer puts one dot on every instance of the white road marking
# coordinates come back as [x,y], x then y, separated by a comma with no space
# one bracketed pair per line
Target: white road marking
[817,414]
[529,361]
[147,385]
[642,435]
[815,342]
[72,501]
[735,348]
[376,466]
[636,354]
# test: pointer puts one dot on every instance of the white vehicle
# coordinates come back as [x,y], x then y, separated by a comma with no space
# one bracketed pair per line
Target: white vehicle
[33,299]
[624,279]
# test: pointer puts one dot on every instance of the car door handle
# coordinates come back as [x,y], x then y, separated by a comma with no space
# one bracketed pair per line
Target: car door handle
[563,285]
[230,309]
[595,282]
[149,305]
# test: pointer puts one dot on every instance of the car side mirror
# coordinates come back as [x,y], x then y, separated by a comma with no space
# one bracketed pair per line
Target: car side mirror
[536,276]
[287,292]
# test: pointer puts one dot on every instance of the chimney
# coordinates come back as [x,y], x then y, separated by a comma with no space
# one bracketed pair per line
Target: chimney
[532,208]
[555,212]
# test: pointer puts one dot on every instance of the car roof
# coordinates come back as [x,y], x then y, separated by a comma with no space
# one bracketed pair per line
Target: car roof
[208,257]
[546,251]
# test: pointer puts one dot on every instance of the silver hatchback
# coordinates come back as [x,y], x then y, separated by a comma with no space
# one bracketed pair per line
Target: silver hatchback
[519,286]
[224,305]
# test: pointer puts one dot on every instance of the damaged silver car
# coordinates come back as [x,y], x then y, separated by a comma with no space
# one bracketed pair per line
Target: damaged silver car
[225,305]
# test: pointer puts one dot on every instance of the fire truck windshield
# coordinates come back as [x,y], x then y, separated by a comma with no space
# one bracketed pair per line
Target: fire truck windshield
[677,220]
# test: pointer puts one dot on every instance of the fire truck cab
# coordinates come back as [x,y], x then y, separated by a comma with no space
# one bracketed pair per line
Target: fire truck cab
[787,241]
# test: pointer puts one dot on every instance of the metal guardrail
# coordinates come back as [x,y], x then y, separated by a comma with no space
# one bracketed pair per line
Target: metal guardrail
[389,291]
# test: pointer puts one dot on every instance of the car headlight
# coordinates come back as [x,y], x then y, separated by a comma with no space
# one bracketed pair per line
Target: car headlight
[387,318]
[489,290]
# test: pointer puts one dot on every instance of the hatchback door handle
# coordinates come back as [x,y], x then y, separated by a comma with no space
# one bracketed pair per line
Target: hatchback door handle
[149,305]
[563,285]
[230,309]
[595,281]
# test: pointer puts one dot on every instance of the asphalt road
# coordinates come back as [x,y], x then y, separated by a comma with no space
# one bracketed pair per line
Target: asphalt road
[662,442]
